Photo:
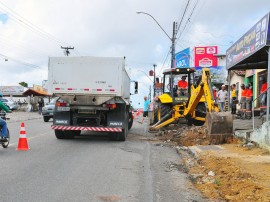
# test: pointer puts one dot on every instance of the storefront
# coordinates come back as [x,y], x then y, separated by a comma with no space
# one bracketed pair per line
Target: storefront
[252,53]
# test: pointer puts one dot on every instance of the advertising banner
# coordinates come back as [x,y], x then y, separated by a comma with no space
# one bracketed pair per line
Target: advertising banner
[11,90]
[204,56]
[182,58]
[218,73]
[256,38]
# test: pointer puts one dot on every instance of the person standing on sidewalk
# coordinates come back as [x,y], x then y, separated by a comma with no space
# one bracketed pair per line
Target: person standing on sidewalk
[222,95]
[234,98]
[145,108]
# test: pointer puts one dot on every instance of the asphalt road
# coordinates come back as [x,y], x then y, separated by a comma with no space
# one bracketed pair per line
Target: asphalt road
[91,168]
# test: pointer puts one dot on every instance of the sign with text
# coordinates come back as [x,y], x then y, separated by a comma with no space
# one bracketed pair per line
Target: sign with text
[204,56]
[182,58]
[11,90]
[218,73]
[253,40]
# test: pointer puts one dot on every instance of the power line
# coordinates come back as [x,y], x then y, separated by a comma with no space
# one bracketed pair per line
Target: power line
[21,62]
[23,21]
[182,17]
[29,24]
[188,20]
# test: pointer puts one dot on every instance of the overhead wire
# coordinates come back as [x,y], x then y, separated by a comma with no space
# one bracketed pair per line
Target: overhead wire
[20,62]
[26,23]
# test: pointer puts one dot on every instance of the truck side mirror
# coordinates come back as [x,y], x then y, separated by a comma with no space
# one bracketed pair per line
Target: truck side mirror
[136,87]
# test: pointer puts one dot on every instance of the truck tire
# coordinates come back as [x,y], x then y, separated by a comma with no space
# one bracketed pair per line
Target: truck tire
[130,121]
[59,134]
[46,119]
[164,110]
[123,135]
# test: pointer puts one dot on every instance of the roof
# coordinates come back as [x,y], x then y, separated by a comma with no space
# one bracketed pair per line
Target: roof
[250,51]
[35,93]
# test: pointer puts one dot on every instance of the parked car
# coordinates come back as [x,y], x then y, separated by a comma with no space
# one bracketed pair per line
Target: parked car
[11,104]
[48,110]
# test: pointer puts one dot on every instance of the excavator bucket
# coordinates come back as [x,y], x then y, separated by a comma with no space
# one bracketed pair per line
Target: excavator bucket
[219,126]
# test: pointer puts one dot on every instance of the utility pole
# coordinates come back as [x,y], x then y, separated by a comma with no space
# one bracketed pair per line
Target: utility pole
[173,45]
[67,50]
[154,83]
[173,56]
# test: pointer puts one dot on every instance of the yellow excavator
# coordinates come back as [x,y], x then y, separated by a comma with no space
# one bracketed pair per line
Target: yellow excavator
[196,104]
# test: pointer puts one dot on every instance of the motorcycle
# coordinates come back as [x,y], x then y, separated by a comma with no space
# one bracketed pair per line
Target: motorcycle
[6,143]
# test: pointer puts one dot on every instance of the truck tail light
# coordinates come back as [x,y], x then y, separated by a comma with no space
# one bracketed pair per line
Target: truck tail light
[111,106]
[61,104]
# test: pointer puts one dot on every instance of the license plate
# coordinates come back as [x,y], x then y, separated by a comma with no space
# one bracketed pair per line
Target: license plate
[63,108]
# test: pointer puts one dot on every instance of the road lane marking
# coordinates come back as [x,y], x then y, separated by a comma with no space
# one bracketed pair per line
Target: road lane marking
[30,138]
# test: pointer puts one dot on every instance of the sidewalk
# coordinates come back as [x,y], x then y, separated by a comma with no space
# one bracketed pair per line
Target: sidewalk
[18,116]
[230,172]
[238,171]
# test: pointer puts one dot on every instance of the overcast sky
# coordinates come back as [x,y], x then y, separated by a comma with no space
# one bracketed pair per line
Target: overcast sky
[33,30]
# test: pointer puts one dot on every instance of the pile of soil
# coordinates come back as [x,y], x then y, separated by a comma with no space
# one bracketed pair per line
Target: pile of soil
[237,173]
[231,178]
[190,136]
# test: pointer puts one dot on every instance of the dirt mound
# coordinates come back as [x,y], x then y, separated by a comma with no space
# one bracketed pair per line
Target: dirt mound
[190,136]
[224,178]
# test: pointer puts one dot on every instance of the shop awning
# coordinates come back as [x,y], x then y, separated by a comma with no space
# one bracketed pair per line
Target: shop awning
[30,92]
[251,50]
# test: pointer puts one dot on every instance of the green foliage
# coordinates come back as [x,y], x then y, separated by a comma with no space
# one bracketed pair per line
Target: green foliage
[24,84]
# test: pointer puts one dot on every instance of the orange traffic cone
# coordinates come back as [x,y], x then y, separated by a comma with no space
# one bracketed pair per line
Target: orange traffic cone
[22,144]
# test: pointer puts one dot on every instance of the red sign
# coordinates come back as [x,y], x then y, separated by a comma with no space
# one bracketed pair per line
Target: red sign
[204,56]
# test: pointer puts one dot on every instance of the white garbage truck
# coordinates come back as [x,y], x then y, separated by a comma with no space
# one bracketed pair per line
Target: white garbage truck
[93,95]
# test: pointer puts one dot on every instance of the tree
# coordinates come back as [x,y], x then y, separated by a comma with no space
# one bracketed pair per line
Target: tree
[24,84]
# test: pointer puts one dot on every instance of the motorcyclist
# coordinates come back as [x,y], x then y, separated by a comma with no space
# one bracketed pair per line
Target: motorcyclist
[3,123]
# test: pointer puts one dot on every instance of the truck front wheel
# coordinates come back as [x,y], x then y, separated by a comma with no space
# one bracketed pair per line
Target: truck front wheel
[59,134]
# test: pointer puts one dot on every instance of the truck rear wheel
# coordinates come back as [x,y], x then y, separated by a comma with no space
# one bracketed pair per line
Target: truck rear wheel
[123,135]
[59,134]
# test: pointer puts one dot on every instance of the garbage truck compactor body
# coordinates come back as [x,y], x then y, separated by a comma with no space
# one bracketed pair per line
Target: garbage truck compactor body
[94,95]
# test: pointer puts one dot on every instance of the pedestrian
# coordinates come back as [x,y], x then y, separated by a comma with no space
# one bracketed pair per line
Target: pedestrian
[40,104]
[249,97]
[234,98]
[263,92]
[222,95]
[243,98]
[145,108]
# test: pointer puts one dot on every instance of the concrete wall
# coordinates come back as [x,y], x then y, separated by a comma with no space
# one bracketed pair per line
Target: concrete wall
[262,136]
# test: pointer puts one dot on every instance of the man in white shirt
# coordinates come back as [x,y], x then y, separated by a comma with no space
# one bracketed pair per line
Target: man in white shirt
[222,95]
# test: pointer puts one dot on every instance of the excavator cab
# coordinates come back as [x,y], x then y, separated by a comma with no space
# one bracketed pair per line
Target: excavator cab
[172,93]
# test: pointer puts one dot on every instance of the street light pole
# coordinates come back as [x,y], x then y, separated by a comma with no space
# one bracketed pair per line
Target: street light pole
[172,47]
[171,39]
[154,93]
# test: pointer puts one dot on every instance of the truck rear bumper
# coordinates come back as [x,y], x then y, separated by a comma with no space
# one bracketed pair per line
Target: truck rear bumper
[96,129]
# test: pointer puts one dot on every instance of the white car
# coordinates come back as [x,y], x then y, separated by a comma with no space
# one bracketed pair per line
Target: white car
[12,105]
